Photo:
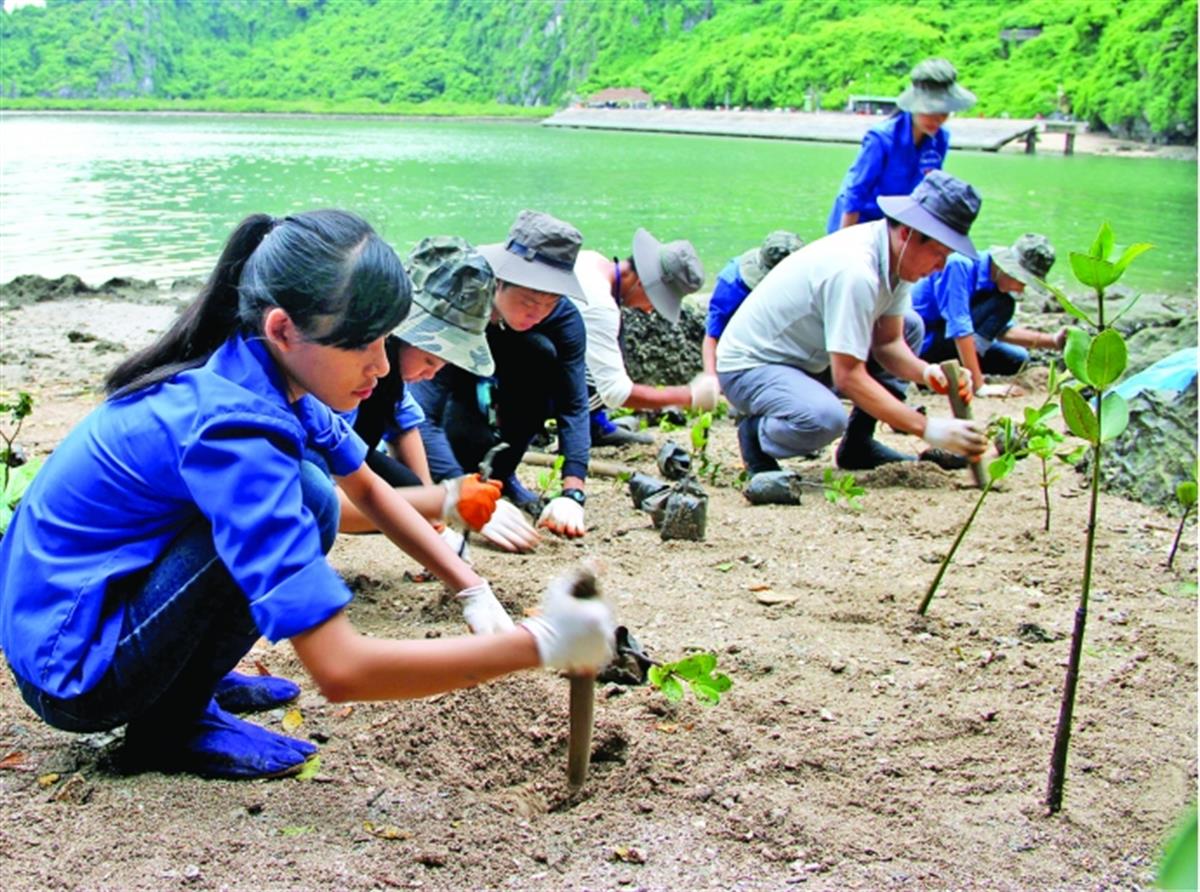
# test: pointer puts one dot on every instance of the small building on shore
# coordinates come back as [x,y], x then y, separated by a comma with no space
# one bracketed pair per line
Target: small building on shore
[870,105]
[620,97]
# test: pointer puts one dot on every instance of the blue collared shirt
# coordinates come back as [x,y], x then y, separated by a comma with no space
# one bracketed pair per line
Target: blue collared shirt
[219,443]
[727,296]
[888,164]
[944,298]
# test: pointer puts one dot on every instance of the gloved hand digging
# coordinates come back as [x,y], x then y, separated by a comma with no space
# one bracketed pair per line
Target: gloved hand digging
[483,613]
[961,436]
[572,633]
[935,379]
[510,529]
[564,516]
[470,501]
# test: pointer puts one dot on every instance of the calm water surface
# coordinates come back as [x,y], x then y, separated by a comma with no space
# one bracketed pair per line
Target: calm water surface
[154,196]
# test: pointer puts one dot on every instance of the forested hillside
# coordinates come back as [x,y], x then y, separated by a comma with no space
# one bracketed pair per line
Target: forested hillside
[1129,65]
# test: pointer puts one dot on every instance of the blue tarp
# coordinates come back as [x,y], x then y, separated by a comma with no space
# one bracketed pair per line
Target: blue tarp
[1175,372]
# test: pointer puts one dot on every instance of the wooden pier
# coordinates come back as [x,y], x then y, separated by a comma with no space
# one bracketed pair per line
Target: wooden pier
[982,134]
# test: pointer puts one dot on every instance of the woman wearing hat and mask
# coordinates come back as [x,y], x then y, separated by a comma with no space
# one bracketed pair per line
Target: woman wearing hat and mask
[452,303]
[968,308]
[898,153]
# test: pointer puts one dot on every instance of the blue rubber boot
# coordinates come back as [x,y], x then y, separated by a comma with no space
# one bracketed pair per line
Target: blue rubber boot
[217,744]
[254,693]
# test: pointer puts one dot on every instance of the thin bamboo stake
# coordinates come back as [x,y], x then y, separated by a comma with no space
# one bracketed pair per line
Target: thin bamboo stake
[962,409]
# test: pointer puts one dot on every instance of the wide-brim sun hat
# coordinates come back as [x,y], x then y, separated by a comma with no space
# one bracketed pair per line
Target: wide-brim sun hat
[452,303]
[539,254]
[668,272]
[754,264]
[942,207]
[1028,260]
[934,90]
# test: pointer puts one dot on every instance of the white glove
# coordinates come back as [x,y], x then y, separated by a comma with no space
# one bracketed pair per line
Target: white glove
[563,516]
[576,634]
[456,542]
[956,435]
[510,529]
[935,378]
[705,392]
[482,611]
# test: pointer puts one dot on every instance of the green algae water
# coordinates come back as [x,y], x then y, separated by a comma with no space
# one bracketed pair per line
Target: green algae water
[153,196]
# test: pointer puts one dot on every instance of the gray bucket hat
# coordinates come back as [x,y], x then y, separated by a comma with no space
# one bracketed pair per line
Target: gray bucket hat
[757,262]
[539,254]
[668,272]
[934,90]
[1028,260]
[942,207]
[452,303]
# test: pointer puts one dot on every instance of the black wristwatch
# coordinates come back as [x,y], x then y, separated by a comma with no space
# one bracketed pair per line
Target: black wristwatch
[578,496]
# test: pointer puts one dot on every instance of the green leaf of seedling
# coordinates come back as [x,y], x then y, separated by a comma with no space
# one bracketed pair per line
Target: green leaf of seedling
[689,668]
[705,692]
[672,689]
[1102,245]
[1106,358]
[1114,416]
[722,682]
[1075,353]
[706,662]
[1079,417]
[656,674]
[1065,302]
[1074,457]
[1043,446]
[1129,255]
[1185,492]
[310,769]
[1001,467]
[725,567]
[1094,273]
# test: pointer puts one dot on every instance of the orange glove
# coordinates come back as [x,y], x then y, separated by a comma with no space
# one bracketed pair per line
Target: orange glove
[936,380]
[470,501]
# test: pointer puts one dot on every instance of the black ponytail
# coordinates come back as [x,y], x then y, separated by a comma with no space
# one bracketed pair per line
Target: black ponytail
[202,326]
[340,283]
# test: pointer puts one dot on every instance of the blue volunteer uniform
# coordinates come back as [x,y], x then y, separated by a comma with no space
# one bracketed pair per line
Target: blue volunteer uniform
[220,443]
[728,294]
[888,164]
[961,300]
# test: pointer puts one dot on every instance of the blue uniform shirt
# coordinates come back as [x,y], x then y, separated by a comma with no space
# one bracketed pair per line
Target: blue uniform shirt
[220,443]
[944,298]
[727,296]
[888,164]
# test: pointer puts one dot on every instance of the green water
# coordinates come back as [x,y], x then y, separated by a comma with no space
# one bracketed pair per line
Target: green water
[154,196]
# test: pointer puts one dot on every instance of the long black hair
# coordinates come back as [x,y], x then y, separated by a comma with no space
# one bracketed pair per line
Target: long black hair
[341,284]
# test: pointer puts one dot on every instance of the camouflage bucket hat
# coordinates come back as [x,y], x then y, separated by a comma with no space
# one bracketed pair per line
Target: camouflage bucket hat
[934,90]
[667,272]
[757,262]
[1028,260]
[539,254]
[452,303]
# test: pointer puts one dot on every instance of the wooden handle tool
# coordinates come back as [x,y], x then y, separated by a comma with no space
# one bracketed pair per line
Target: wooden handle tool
[583,700]
[962,409]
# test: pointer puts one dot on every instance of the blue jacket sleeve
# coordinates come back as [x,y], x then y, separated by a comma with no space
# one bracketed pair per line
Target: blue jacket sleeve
[861,186]
[953,292]
[571,398]
[432,397]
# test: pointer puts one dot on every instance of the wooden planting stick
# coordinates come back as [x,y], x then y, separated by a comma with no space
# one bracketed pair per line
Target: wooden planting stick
[597,467]
[582,700]
[962,409]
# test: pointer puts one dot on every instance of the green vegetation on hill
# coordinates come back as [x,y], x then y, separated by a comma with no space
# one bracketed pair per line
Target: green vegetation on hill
[1128,66]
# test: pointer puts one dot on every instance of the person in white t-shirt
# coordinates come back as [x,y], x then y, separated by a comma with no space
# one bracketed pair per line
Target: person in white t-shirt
[834,320]
[655,277]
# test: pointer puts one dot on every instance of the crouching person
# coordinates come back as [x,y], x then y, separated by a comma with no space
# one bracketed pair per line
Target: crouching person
[191,512]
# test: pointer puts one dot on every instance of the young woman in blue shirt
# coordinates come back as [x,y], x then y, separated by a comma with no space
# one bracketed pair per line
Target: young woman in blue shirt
[191,512]
[897,154]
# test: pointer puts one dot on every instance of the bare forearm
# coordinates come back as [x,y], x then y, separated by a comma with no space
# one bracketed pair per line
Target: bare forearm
[1030,339]
[410,451]
[874,399]
[898,358]
[849,219]
[644,396]
[349,666]
[708,354]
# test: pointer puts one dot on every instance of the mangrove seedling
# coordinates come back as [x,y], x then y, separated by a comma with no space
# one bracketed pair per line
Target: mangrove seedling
[1097,360]
[843,488]
[549,480]
[705,468]
[996,471]
[1185,494]
[697,672]
[18,472]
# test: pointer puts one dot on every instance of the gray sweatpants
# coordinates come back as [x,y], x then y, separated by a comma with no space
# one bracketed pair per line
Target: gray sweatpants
[800,412]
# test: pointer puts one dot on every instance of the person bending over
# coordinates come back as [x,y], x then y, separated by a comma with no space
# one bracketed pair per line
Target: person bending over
[654,278]
[190,514]
[538,344]
[833,321]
